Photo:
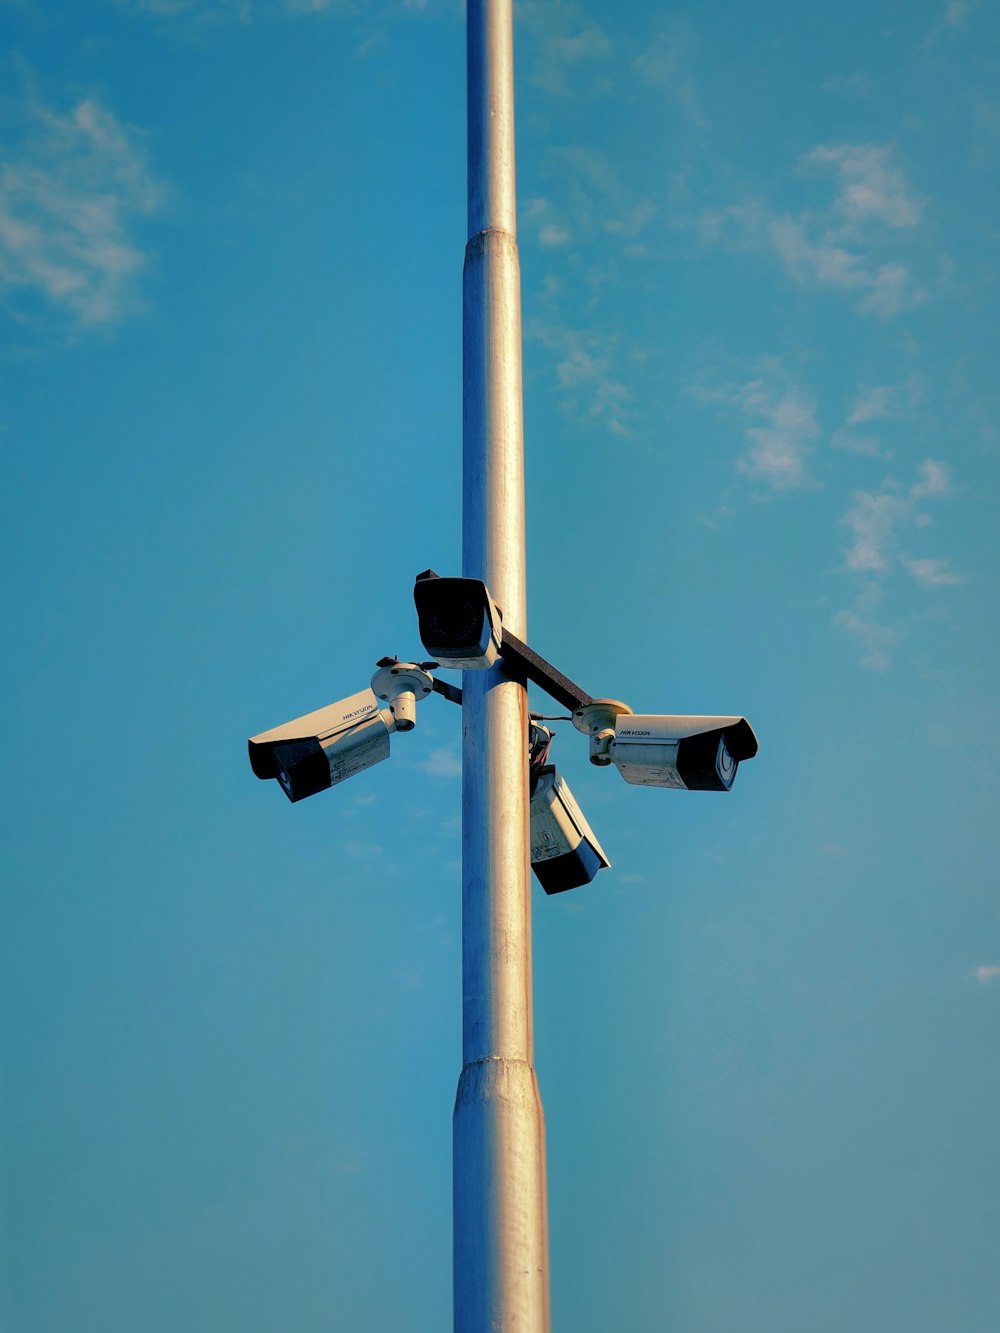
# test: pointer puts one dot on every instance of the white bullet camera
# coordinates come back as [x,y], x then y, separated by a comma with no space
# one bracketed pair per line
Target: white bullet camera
[459,624]
[323,748]
[565,854]
[654,750]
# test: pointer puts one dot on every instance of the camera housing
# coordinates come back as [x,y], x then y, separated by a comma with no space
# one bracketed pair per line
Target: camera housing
[565,854]
[320,749]
[458,622]
[690,753]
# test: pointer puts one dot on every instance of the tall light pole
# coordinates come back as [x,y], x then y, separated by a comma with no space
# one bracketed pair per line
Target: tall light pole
[501,1278]
[501,1267]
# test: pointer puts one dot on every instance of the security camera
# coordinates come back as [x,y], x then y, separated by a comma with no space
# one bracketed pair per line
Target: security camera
[565,854]
[652,750]
[401,684]
[459,624]
[323,748]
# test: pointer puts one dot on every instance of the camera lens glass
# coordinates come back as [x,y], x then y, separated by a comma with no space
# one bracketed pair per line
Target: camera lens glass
[451,614]
[459,623]
[725,762]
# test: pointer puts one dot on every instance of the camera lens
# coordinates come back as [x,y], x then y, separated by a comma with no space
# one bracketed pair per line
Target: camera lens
[724,762]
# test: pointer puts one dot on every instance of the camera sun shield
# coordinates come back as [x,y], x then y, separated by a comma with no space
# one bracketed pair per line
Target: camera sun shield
[458,622]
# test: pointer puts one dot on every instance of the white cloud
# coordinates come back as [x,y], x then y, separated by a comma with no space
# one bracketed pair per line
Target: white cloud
[876,640]
[986,974]
[935,480]
[890,290]
[666,63]
[827,262]
[585,375]
[363,851]
[824,258]
[874,404]
[68,198]
[868,445]
[863,624]
[876,520]
[873,519]
[209,11]
[840,246]
[853,84]
[568,46]
[442,763]
[931,573]
[589,192]
[870,185]
[585,355]
[778,449]
[783,418]
[552,235]
[200,8]
[587,170]
[632,221]
[953,16]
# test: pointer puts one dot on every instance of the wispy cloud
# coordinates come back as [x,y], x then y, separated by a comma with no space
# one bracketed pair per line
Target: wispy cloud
[935,480]
[666,63]
[875,519]
[881,402]
[930,573]
[953,16]
[781,426]
[589,387]
[986,973]
[70,195]
[363,851]
[588,203]
[243,11]
[874,405]
[202,9]
[780,444]
[442,763]
[568,46]
[864,623]
[822,258]
[852,85]
[551,235]
[844,246]
[870,185]
[878,521]
[540,216]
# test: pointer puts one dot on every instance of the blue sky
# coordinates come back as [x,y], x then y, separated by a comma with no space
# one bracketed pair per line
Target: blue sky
[758,250]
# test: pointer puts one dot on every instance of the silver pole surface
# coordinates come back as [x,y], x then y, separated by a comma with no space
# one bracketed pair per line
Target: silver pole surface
[501,1236]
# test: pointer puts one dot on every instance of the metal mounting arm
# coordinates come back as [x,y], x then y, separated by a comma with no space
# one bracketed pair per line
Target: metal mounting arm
[528,663]
[459,621]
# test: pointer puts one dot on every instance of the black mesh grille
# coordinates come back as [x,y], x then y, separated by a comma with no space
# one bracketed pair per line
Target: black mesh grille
[451,613]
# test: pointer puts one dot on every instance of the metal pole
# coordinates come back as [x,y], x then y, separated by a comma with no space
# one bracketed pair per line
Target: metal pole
[501,1236]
